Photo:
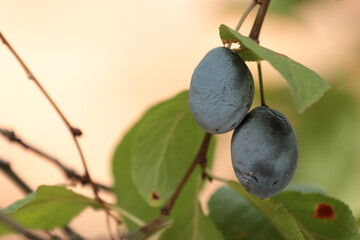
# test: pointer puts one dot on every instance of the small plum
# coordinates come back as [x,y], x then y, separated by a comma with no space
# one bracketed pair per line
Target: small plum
[264,152]
[221,91]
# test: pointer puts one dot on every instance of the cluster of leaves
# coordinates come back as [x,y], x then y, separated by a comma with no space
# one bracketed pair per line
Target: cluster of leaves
[153,157]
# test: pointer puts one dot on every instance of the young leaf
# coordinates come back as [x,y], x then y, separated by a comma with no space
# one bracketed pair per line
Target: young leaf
[307,86]
[192,224]
[48,207]
[165,144]
[237,219]
[275,212]
[126,192]
[320,216]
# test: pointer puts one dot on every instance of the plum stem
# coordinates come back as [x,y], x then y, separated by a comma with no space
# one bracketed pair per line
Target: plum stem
[244,16]
[261,85]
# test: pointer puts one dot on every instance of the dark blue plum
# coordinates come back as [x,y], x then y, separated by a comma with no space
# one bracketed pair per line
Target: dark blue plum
[264,152]
[221,91]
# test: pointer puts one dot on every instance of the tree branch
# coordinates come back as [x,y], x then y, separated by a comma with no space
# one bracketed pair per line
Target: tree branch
[199,159]
[75,132]
[68,172]
[255,31]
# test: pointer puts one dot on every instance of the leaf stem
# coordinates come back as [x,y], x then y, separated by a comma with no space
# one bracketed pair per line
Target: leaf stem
[128,215]
[255,31]
[212,176]
[261,86]
[244,16]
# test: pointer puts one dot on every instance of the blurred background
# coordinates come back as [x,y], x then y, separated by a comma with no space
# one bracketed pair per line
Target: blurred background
[106,62]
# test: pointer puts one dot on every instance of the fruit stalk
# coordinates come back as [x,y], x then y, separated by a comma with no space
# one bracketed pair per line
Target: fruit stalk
[261,85]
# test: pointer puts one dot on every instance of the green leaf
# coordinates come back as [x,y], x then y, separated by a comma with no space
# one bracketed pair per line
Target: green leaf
[247,217]
[319,216]
[128,197]
[237,219]
[192,224]
[47,208]
[275,212]
[164,146]
[132,201]
[307,86]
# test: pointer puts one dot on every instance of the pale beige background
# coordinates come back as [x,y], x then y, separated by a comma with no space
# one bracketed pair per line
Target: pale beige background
[105,62]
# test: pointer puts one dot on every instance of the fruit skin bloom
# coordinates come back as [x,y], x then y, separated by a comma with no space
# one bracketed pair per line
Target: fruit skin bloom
[264,152]
[221,91]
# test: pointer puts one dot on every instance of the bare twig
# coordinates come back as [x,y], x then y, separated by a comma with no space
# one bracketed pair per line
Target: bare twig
[6,168]
[255,31]
[17,227]
[69,173]
[75,132]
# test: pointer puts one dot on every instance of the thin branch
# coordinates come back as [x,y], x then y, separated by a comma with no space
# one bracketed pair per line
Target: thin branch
[255,31]
[200,158]
[17,227]
[75,132]
[31,76]
[68,172]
